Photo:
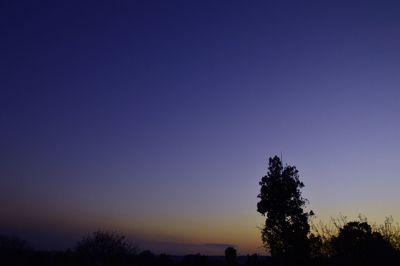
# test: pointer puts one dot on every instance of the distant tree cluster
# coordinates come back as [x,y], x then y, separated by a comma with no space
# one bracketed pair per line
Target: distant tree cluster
[98,249]
[102,248]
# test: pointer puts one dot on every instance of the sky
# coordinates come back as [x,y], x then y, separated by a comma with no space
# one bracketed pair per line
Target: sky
[156,119]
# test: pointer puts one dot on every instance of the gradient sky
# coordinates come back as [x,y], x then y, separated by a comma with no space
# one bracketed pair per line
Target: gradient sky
[156,118]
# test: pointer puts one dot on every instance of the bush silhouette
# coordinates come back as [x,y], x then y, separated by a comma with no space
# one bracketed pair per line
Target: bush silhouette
[104,248]
[357,244]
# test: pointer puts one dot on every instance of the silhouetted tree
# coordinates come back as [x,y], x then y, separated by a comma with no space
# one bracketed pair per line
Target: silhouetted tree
[357,244]
[230,255]
[104,248]
[286,226]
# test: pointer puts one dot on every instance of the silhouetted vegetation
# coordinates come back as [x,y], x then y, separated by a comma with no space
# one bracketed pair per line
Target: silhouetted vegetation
[286,225]
[291,240]
[104,248]
[230,255]
[14,250]
[339,243]
[289,234]
[355,242]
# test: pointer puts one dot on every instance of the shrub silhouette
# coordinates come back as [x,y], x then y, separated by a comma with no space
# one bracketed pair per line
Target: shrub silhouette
[357,244]
[390,232]
[104,248]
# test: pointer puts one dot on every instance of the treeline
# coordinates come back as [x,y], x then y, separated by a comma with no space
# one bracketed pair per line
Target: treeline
[289,235]
[339,242]
[103,248]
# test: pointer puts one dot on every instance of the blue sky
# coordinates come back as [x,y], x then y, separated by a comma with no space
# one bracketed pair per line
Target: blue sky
[156,118]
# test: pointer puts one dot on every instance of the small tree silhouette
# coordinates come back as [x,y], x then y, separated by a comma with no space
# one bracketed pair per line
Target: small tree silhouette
[104,248]
[286,226]
[230,255]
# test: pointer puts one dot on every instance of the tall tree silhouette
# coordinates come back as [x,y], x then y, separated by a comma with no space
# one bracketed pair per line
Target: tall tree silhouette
[286,225]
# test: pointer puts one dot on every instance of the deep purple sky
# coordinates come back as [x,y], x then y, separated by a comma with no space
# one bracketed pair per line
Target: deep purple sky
[156,118]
